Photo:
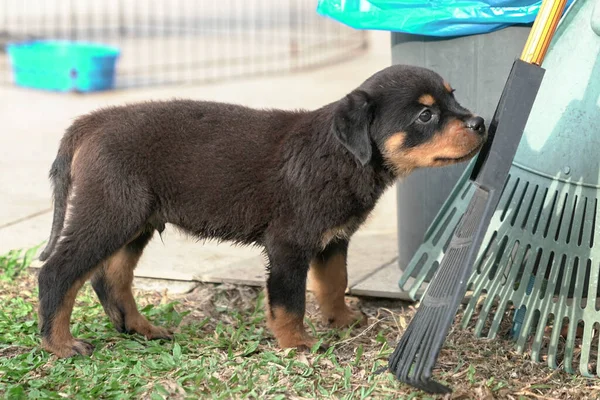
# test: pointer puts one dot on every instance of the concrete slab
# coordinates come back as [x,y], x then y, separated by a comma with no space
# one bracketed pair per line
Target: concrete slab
[251,272]
[382,283]
[180,257]
[367,254]
[25,234]
[161,285]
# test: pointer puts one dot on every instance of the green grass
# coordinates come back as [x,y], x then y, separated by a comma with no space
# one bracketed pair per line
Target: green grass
[222,355]
[209,358]
[15,262]
[222,350]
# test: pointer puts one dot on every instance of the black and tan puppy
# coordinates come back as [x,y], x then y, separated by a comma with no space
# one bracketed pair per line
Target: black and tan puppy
[298,183]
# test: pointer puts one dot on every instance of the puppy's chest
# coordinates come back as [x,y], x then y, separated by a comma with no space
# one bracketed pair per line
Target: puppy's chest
[342,231]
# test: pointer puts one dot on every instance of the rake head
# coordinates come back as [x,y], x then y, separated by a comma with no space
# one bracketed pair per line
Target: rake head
[536,278]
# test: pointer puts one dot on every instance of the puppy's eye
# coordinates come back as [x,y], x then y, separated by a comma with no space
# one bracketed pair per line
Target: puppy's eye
[425,116]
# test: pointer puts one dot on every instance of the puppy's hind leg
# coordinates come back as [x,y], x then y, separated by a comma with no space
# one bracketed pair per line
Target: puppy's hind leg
[112,283]
[98,227]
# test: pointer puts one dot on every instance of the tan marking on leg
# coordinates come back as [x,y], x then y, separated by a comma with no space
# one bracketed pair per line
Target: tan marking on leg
[329,283]
[118,274]
[288,329]
[427,100]
[61,342]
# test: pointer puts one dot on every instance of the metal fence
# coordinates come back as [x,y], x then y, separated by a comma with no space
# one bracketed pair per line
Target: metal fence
[186,41]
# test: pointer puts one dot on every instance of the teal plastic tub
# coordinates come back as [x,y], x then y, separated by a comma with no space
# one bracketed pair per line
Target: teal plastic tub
[63,66]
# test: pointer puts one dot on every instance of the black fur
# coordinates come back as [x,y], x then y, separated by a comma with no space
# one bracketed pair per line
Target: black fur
[352,121]
[337,246]
[273,178]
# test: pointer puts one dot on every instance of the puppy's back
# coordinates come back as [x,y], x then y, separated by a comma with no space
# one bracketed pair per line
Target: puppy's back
[213,168]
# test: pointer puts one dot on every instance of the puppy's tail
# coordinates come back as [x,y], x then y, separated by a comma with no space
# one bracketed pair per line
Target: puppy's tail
[60,176]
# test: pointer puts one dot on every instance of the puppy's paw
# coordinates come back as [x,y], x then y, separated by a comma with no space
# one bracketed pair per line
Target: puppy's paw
[141,326]
[68,348]
[295,339]
[347,318]
[157,332]
[301,341]
[305,348]
[153,332]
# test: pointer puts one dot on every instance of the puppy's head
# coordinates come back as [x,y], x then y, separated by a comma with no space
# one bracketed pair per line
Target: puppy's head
[411,117]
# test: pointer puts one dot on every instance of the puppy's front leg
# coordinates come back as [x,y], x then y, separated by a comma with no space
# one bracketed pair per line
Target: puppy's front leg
[329,278]
[286,294]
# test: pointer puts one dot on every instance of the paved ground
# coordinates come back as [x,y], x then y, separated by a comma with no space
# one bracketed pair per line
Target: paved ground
[33,123]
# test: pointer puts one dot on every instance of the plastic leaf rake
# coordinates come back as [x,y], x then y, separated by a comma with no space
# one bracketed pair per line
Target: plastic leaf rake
[537,276]
[415,355]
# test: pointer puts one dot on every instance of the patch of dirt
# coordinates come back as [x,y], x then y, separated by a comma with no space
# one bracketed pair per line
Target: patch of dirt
[13,351]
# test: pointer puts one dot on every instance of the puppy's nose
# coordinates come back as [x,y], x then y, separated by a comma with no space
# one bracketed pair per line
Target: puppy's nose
[476,124]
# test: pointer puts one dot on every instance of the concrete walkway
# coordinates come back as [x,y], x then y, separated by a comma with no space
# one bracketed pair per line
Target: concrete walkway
[33,123]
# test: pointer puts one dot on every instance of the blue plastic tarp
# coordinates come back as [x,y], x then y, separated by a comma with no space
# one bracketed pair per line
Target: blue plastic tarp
[443,18]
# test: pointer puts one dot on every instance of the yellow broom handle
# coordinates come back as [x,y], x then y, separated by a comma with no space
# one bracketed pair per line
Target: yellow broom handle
[542,31]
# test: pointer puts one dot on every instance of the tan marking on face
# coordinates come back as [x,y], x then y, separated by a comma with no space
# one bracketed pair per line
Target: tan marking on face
[394,143]
[448,87]
[427,100]
[455,144]
[329,280]
[393,154]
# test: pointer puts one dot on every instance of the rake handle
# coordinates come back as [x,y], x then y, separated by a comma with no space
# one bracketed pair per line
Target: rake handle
[542,31]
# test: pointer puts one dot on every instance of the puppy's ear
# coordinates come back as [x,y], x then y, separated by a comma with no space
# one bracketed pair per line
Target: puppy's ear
[351,124]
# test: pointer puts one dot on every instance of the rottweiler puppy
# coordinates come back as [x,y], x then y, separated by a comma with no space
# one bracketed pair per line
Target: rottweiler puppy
[296,183]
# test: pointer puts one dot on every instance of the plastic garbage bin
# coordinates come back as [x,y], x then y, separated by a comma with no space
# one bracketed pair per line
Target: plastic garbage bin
[477,67]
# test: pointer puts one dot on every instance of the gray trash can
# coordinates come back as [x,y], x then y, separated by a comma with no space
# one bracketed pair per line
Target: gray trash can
[477,67]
